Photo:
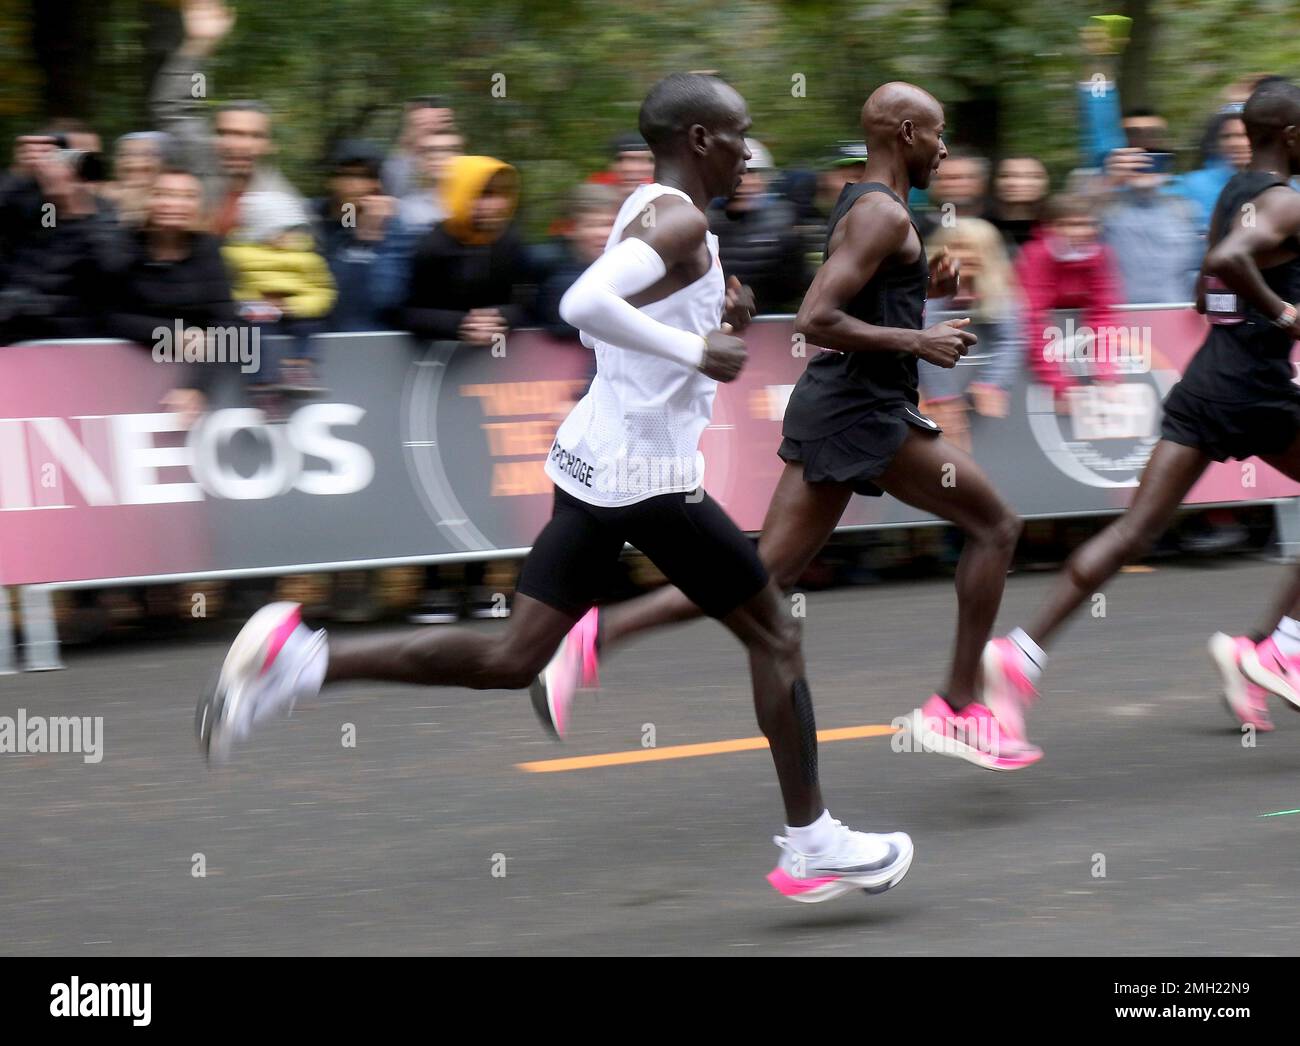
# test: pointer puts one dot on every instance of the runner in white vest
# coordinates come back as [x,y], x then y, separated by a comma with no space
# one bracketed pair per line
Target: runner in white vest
[639,426]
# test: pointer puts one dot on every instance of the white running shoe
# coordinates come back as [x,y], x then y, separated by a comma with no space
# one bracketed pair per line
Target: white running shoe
[855,861]
[261,677]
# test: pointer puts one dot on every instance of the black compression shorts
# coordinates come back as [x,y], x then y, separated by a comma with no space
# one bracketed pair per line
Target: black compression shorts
[1230,430]
[687,536]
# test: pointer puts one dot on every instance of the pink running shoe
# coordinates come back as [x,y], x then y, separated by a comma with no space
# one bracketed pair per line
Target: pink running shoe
[574,665]
[1245,699]
[1266,666]
[1008,691]
[587,629]
[973,734]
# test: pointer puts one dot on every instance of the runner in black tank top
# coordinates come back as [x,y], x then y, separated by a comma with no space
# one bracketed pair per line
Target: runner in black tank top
[839,389]
[852,425]
[1236,400]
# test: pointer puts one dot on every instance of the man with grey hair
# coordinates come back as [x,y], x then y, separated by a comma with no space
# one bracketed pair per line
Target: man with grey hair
[231,152]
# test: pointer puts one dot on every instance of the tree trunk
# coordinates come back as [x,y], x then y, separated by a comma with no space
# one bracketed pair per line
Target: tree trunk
[977,119]
[63,41]
[1135,63]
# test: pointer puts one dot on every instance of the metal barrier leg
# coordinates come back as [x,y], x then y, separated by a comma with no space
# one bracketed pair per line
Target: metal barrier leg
[1287,514]
[40,633]
[7,665]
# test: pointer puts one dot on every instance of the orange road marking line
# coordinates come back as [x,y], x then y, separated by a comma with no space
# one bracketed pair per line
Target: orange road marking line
[656,755]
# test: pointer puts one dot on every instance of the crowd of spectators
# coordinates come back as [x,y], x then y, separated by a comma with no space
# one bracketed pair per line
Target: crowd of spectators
[192,224]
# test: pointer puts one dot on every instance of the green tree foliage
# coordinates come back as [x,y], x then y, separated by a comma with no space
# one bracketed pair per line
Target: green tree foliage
[569,74]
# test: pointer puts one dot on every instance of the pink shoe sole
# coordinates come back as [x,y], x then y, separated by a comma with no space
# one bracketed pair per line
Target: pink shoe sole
[1254,668]
[1229,659]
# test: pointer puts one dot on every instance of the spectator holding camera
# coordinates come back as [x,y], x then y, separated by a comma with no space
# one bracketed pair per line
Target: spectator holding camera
[1151,234]
[60,244]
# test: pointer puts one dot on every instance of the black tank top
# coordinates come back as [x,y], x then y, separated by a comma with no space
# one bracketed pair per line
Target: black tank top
[838,388]
[1244,358]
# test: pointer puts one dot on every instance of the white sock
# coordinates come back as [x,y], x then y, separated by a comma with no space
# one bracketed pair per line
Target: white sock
[1287,637]
[815,838]
[1035,656]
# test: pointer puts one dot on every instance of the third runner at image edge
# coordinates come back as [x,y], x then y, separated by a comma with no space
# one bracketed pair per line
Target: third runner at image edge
[1236,400]
[653,307]
[852,426]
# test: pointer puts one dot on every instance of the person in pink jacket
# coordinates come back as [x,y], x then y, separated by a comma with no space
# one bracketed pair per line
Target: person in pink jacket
[1066,266]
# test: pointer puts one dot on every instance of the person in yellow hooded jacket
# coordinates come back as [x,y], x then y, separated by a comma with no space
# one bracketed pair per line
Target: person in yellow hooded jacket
[462,288]
[466,268]
[289,271]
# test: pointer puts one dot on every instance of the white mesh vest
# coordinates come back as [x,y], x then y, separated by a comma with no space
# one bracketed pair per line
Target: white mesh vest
[636,434]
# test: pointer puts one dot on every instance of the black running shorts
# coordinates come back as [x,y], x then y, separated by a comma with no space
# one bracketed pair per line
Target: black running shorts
[687,536]
[856,456]
[1230,430]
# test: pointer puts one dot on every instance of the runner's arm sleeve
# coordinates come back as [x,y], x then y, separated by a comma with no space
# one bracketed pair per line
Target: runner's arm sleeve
[597,305]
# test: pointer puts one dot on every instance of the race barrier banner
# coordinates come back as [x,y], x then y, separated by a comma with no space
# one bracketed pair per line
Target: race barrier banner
[434,452]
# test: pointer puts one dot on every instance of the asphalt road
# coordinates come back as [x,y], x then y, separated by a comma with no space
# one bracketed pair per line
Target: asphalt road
[390,847]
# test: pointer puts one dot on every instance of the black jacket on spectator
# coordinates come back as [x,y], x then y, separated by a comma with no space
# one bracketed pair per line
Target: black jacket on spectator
[152,294]
[19,199]
[56,278]
[448,278]
[761,247]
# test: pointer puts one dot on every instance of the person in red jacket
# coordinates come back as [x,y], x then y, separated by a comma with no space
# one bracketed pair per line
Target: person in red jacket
[1066,266]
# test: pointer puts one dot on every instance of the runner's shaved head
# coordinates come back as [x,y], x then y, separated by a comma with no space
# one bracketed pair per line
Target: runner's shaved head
[1272,107]
[892,103]
[903,128]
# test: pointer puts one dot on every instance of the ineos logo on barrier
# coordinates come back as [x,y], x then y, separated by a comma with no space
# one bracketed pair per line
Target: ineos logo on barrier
[115,460]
